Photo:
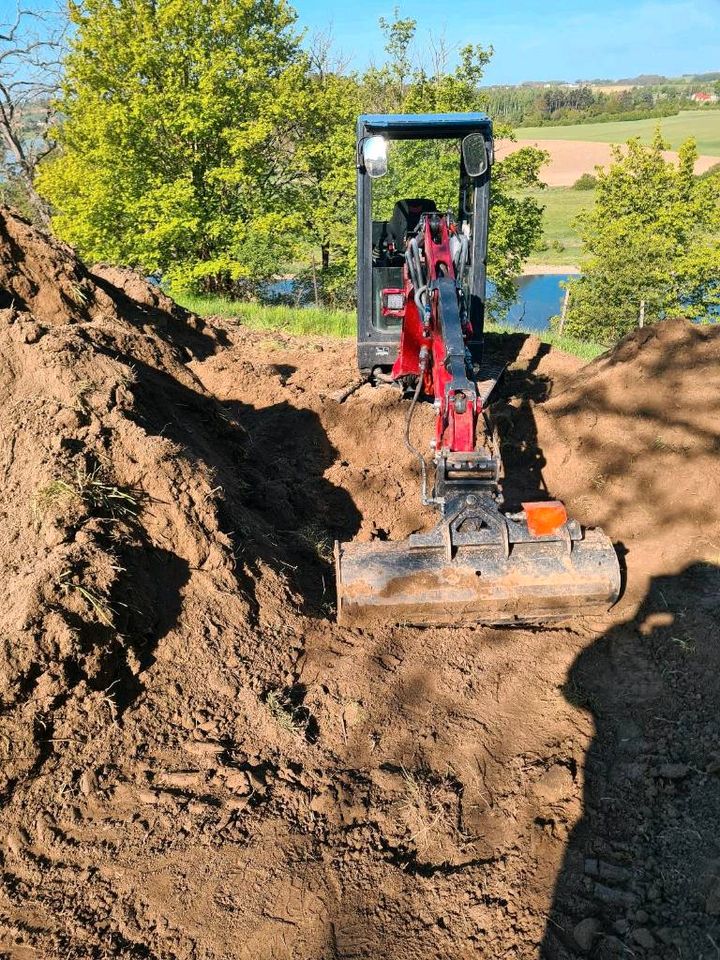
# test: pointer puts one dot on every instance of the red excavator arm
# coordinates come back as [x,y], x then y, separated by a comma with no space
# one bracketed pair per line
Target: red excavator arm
[434,334]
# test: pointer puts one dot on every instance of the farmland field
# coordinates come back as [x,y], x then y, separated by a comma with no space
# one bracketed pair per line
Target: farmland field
[703,125]
[561,243]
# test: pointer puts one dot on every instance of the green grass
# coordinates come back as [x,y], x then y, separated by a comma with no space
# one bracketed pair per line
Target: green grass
[562,205]
[298,320]
[585,350]
[339,323]
[704,125]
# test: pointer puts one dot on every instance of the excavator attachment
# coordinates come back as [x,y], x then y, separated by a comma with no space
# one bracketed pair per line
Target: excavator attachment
[479,566]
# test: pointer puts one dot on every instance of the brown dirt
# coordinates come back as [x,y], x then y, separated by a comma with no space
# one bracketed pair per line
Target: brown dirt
[570,159]
[197,763]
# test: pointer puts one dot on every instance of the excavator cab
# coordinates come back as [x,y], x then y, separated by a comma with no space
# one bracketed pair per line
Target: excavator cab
[381,243]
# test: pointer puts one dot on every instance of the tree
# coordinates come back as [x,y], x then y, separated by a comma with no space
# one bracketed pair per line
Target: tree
[430,168]
[322,194]
[177,115]
[200,141]
[29,77]
[652,239]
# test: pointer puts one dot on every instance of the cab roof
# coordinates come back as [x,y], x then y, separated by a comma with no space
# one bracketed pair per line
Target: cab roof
[423,126]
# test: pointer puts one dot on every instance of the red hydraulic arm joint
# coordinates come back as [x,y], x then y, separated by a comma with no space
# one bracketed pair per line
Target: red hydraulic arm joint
[436,329]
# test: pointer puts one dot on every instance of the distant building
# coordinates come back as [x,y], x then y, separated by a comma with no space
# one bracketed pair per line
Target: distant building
[703,97]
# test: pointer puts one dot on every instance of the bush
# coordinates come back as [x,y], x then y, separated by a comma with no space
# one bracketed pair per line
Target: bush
[587,181]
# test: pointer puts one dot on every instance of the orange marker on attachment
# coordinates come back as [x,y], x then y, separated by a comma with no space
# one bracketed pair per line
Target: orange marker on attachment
[545,517]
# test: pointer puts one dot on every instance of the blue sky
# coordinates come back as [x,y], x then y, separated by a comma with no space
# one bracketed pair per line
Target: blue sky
[533,39]
[552,39]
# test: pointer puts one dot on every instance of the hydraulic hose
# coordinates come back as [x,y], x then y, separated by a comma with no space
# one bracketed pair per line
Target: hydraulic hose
[426,501]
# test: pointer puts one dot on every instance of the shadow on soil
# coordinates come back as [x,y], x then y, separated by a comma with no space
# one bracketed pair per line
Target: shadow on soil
[523,460]
[641,874]
[270,461]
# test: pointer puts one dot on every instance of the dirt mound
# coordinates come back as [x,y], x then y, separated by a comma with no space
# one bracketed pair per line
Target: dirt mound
[633,444]
[197,763]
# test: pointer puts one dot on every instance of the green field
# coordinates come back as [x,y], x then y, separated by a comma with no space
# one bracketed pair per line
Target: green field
[704,125]
[561,243]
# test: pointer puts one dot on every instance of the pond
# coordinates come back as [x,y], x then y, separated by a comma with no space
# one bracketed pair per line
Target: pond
[540,297]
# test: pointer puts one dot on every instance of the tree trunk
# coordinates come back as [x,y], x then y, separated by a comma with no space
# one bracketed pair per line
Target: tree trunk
[325,251]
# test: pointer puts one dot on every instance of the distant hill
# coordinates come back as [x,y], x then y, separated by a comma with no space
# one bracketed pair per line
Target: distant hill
[641,80]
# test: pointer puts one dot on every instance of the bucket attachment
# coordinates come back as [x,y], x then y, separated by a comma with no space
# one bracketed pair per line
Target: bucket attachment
[479,566]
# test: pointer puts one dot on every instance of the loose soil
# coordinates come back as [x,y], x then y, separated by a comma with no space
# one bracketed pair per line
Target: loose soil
[570,159]
[198,763]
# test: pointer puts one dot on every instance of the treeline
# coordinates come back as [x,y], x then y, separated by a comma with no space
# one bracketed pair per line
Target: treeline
[532,106]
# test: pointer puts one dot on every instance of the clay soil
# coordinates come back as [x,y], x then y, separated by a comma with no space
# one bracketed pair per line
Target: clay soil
[197,762]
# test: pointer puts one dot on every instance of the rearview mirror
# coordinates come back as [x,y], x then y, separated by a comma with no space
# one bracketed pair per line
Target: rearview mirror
[474,154]
[374,154]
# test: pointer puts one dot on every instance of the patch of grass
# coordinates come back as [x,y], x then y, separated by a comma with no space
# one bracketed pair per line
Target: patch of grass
[104,497]
[319,540]
[429,808]
[91,488]
[584,349]
[660,443]
[686,644]
[79,294]
[99,606]
[561,244]
[83,391]
[53,495]
[285,715]
[298,320]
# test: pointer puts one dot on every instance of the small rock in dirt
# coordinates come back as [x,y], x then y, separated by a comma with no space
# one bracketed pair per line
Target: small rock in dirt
[16,840]
[237,781]
[555,785]
[606,871]
[32,332]
[673,771]
[612,896]
[183,779]
[712,900]
[585,933]
[204,748]
[643,938]
[147,796]
[87,783]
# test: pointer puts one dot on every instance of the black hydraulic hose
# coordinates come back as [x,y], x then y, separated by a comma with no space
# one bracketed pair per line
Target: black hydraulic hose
[426,501]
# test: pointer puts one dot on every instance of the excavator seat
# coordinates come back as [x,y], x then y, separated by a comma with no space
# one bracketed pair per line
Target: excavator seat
[405,218]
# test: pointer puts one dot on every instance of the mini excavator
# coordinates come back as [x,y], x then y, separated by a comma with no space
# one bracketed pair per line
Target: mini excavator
[421,307]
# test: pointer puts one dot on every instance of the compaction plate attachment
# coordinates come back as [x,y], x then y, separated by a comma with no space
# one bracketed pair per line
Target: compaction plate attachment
[478,566]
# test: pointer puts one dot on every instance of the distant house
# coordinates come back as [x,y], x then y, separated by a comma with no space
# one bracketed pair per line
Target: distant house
[703,97]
